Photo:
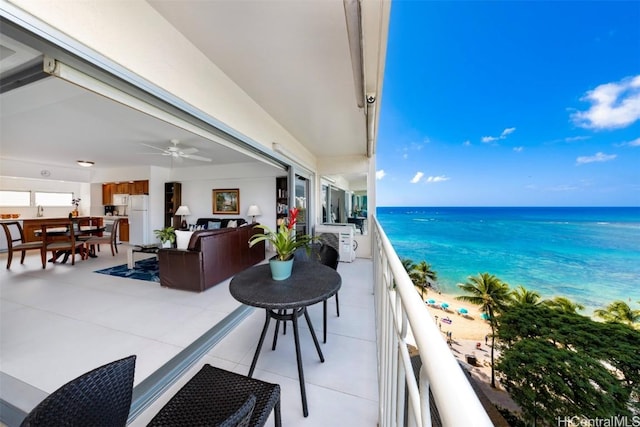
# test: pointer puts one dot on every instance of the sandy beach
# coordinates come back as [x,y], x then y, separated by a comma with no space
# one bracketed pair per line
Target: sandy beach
[466,327]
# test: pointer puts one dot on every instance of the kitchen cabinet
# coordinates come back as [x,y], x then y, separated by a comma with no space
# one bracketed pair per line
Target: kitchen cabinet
[172,200]
[124,230]
[107,193]
[139,187]
[122,188]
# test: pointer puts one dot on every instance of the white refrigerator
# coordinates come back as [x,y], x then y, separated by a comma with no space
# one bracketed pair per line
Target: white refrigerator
[138,209]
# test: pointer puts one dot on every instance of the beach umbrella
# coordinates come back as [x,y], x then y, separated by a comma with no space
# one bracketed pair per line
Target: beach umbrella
[431,301]
[444,305]
[463,310]
[484,316]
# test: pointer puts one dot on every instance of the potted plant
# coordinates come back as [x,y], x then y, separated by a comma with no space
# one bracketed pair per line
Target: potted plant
[285,242]
[166,235]
[76,204]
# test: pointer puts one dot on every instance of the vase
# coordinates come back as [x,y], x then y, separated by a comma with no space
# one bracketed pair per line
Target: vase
[280,270]
[167,244]
[74,212]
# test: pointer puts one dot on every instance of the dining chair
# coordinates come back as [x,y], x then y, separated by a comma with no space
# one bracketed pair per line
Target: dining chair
[15,241]
[218,397]
[109,239]
[55,241]
[329,256]
[101,397]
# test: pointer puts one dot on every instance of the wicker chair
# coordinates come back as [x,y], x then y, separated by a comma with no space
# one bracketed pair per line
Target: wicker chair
[329,256]
[15,241]
[101,397]
[213,396]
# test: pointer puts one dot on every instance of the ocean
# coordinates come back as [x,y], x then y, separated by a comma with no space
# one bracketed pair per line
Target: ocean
[590,255]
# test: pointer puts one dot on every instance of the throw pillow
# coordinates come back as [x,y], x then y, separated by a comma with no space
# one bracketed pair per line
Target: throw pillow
[232,223]
[213,225]
[183,238]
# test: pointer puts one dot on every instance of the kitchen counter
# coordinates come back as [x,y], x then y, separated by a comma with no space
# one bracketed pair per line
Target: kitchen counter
[29,225]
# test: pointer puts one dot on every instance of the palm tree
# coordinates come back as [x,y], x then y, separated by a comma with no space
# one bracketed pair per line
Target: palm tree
[523,296]
[492,295]
[408,264]
[422,275]
[619,312]
[564,305]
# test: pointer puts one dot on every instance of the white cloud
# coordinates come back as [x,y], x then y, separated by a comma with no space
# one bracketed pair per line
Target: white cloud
[467,143]
[613,105]
[380,174]
[506,132]
[634,143]
[576,138]
[503,135]
[598,157]
[439,178]
[563,187]
[417,177]
[518,149]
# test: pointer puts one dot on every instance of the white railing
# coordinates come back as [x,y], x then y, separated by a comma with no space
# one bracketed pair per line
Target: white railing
[402,320]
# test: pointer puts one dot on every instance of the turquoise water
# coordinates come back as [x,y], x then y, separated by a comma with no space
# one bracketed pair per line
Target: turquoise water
[590,255]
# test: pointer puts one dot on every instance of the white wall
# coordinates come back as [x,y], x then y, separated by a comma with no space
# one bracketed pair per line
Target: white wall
[256,182]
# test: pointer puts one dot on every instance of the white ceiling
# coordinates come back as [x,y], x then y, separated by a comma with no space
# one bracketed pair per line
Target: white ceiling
[291,57]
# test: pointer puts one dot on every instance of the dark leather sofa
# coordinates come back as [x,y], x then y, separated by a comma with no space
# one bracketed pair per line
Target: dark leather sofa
[211,257]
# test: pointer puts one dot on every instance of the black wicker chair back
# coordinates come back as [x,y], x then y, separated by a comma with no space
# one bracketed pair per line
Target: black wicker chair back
[101,397]
[216,397]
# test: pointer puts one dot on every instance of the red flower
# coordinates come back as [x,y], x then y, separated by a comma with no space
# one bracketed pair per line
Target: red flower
[293,213]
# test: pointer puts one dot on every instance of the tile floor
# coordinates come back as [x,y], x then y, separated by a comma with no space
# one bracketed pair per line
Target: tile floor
[59,322]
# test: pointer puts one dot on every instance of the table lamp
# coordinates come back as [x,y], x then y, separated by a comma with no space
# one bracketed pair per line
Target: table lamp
[183,211]
[253,211]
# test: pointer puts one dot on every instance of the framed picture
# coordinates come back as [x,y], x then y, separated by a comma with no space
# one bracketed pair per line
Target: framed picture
[226,201]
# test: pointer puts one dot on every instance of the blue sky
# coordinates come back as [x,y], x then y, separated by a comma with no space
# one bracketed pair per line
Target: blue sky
[505,103]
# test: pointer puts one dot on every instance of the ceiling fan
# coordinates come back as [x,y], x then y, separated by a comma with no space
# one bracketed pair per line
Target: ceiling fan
[179,153]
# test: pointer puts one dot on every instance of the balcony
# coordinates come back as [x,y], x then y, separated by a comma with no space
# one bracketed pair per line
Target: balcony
[60,322]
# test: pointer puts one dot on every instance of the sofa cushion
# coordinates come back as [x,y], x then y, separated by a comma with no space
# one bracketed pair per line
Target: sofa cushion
[222,221]
[213,225]
[232,223]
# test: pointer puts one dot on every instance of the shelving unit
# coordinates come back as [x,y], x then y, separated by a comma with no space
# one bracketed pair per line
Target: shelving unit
[172,200]
[282,198]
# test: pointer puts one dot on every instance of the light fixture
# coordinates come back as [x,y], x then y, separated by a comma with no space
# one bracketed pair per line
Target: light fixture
[253,211]
[85,163]
[183,211]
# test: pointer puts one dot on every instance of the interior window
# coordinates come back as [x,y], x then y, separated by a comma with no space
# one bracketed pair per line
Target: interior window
[15,198]
[53,199]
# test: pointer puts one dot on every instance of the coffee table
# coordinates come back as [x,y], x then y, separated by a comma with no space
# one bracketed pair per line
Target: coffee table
[144,249]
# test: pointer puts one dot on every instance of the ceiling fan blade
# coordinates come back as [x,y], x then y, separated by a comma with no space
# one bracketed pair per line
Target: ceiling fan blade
[189,151]
[192,157]
[152,146]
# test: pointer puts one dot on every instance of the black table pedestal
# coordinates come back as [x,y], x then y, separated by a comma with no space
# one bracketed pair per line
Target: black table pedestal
[293,317]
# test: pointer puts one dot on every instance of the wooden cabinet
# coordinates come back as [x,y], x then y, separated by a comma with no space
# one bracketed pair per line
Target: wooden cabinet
[124,229]
[139,187]
[122,188]
[282,199]
[172,200]
[133,187]
[107,193]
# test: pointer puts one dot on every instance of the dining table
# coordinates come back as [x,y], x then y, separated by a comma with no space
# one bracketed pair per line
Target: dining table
[286,300]
[82,230]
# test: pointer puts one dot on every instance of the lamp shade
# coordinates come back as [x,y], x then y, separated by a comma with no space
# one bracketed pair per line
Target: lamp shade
[183,210]
[253,210]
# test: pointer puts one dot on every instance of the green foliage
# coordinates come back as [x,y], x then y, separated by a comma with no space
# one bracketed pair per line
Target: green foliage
[422,275]
[492,295]
[619,312]
[523,296]
[563,304]
[284,241]
[555,363]
[166,234]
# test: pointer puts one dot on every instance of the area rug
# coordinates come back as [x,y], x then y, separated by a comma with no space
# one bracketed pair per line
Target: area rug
[145,269]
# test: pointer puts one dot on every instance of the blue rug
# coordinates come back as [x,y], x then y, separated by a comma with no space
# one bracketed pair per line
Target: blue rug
[145,269]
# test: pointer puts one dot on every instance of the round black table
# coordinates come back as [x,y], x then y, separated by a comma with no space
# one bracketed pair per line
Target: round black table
[286,300]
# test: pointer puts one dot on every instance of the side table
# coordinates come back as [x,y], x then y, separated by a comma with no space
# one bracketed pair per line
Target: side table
[146,249]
